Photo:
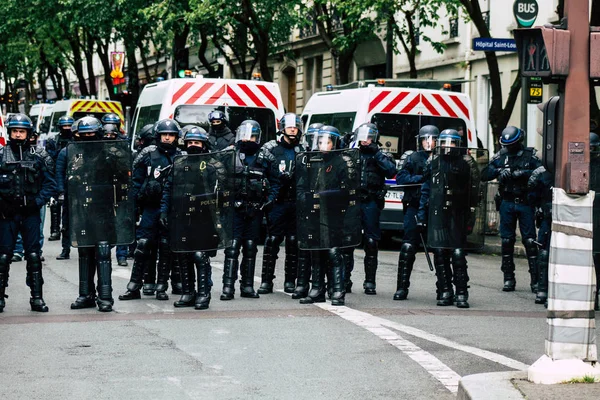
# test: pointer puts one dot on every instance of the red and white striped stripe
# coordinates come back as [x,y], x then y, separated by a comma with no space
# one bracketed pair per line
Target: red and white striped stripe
[243,94]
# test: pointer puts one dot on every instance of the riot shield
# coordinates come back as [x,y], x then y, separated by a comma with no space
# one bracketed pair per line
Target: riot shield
[327,206]
[595,186]
[457,199]
[98,185]
[202,202]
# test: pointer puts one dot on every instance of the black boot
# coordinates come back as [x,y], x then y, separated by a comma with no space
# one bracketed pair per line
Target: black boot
[247,270]
[149,288]
[202,262]
[4,263]
[508,265]
[303,283]
[348,255]
[187,273]
[406,261]
[317,291]
[291,264]
[230,268]
[371,251]
[87,269]
[444,277]
[65,254]
[461,278]
[162,269]
[141,254]
[54,221]
[104,266]
[532,253]
[542,266]
[337,274]
[270,252]
[176,287]
[34,270]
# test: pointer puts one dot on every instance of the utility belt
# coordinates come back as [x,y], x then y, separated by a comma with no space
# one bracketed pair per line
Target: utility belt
[514,198]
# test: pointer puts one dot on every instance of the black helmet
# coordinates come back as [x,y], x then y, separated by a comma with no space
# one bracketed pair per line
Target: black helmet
[449,138]
[111,118]
[19,121]
[594,142]
[311,131]
[366,131]
[321,139]
[111,132]
[193,132]
[217,117]
[511,137]
[75,127]
[87,126]
[147,132]
[166,126]
[291,120]
[429,135]
[247,130]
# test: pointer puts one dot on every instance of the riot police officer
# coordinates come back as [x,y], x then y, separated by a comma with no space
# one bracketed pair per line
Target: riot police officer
[411,176]
[220,136]
[279,158]
[145,137]
[456,175]
[375,167]
[512,166]
[151,169]
[251,194]
[26,184]
[53,147]
[329,184]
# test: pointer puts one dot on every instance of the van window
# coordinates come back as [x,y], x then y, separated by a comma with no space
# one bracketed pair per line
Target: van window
[198,115]
[344,122]
[147,115]
[97,115]
[398,132]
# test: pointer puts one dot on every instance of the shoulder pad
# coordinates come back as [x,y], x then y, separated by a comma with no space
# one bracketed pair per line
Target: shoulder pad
[535,177]
[143,153]
[404,158]
[265,153]
[387,154]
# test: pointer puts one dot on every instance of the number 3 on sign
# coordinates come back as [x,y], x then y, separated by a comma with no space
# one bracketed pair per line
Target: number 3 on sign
[535,92]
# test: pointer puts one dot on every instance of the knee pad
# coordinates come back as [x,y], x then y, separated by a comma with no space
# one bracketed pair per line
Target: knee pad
[530,247]
[232,252]
[103,251]
[508,245]
[459,257]
[142,248]
[201,258]
[250,249]
[370,246]
[291,244]
[4,262]
[33,262]
[407,251]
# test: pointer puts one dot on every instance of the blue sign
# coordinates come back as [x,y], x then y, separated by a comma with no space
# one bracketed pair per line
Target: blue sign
[491,44]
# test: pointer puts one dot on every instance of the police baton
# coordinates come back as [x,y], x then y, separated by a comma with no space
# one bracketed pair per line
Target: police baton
[425,248]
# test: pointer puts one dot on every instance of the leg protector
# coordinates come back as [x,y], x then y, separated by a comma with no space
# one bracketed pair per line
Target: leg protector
[317,291]
[187,274]
[34,269]
[461,278]
[230,269]
[87,268]
[175,275]
[270,252]
[141,256]
[105,300]
[303,282]
[291,264]
[542,294]
[202,262]
[444,277]
[337,274]
[348,255]
[406,261]
[164,264]
[247,271]
[371,251]
[149,288]
[532,253]
[508,264]
[54,222]
[4,263]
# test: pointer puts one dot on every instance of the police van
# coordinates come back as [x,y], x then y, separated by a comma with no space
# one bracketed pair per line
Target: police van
[78,108]
[190,100]
[399,108]
[37,114]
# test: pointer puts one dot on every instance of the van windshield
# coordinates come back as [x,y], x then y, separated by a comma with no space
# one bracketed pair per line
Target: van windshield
[398,132]
[198,115]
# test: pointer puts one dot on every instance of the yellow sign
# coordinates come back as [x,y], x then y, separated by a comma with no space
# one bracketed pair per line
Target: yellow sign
[535,92]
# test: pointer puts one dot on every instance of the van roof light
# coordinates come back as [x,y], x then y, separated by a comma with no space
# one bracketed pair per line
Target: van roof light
[329,87]
[380,82]
[256,76]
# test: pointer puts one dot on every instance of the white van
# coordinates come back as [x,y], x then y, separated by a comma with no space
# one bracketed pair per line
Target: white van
[37,113]
[190,100]
[399,113]
[78,108]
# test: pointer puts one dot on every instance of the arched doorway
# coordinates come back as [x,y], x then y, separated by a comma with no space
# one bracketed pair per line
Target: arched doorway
[289,88]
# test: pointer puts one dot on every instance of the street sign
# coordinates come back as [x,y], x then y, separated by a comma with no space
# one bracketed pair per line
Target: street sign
[525,12]
[492,44]
[536,90]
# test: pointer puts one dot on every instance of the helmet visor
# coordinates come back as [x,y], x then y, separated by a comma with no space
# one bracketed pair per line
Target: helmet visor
[427,143]
[448,142]
[324,142]
[365,134]
[247,132]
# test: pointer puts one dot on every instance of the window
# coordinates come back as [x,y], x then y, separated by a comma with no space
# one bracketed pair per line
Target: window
[313,76]
[147,115]
[342,121]
[453,27]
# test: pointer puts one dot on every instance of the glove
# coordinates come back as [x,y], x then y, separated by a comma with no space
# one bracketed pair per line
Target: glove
[267,206]
[421,227]
[61,199]
[539,217]
[285,176]
[504,174]
[518,173]
[163,220]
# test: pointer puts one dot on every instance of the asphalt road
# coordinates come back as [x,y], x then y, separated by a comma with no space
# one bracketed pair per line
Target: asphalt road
[268,348]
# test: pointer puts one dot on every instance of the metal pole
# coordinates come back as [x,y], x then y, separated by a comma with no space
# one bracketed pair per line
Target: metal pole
[524,101]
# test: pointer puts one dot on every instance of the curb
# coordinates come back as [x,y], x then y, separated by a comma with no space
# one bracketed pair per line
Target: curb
[490,386]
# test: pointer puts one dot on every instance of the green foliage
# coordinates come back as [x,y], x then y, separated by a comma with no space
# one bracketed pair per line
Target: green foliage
[583,379]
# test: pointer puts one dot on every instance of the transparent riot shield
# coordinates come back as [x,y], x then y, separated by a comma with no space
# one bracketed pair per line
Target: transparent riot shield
[202,206]
[595,186]
[457,199]
[327,207]
[98,185]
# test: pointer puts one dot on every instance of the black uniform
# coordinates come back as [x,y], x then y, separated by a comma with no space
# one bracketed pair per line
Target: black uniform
[221,137]
[53,147]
